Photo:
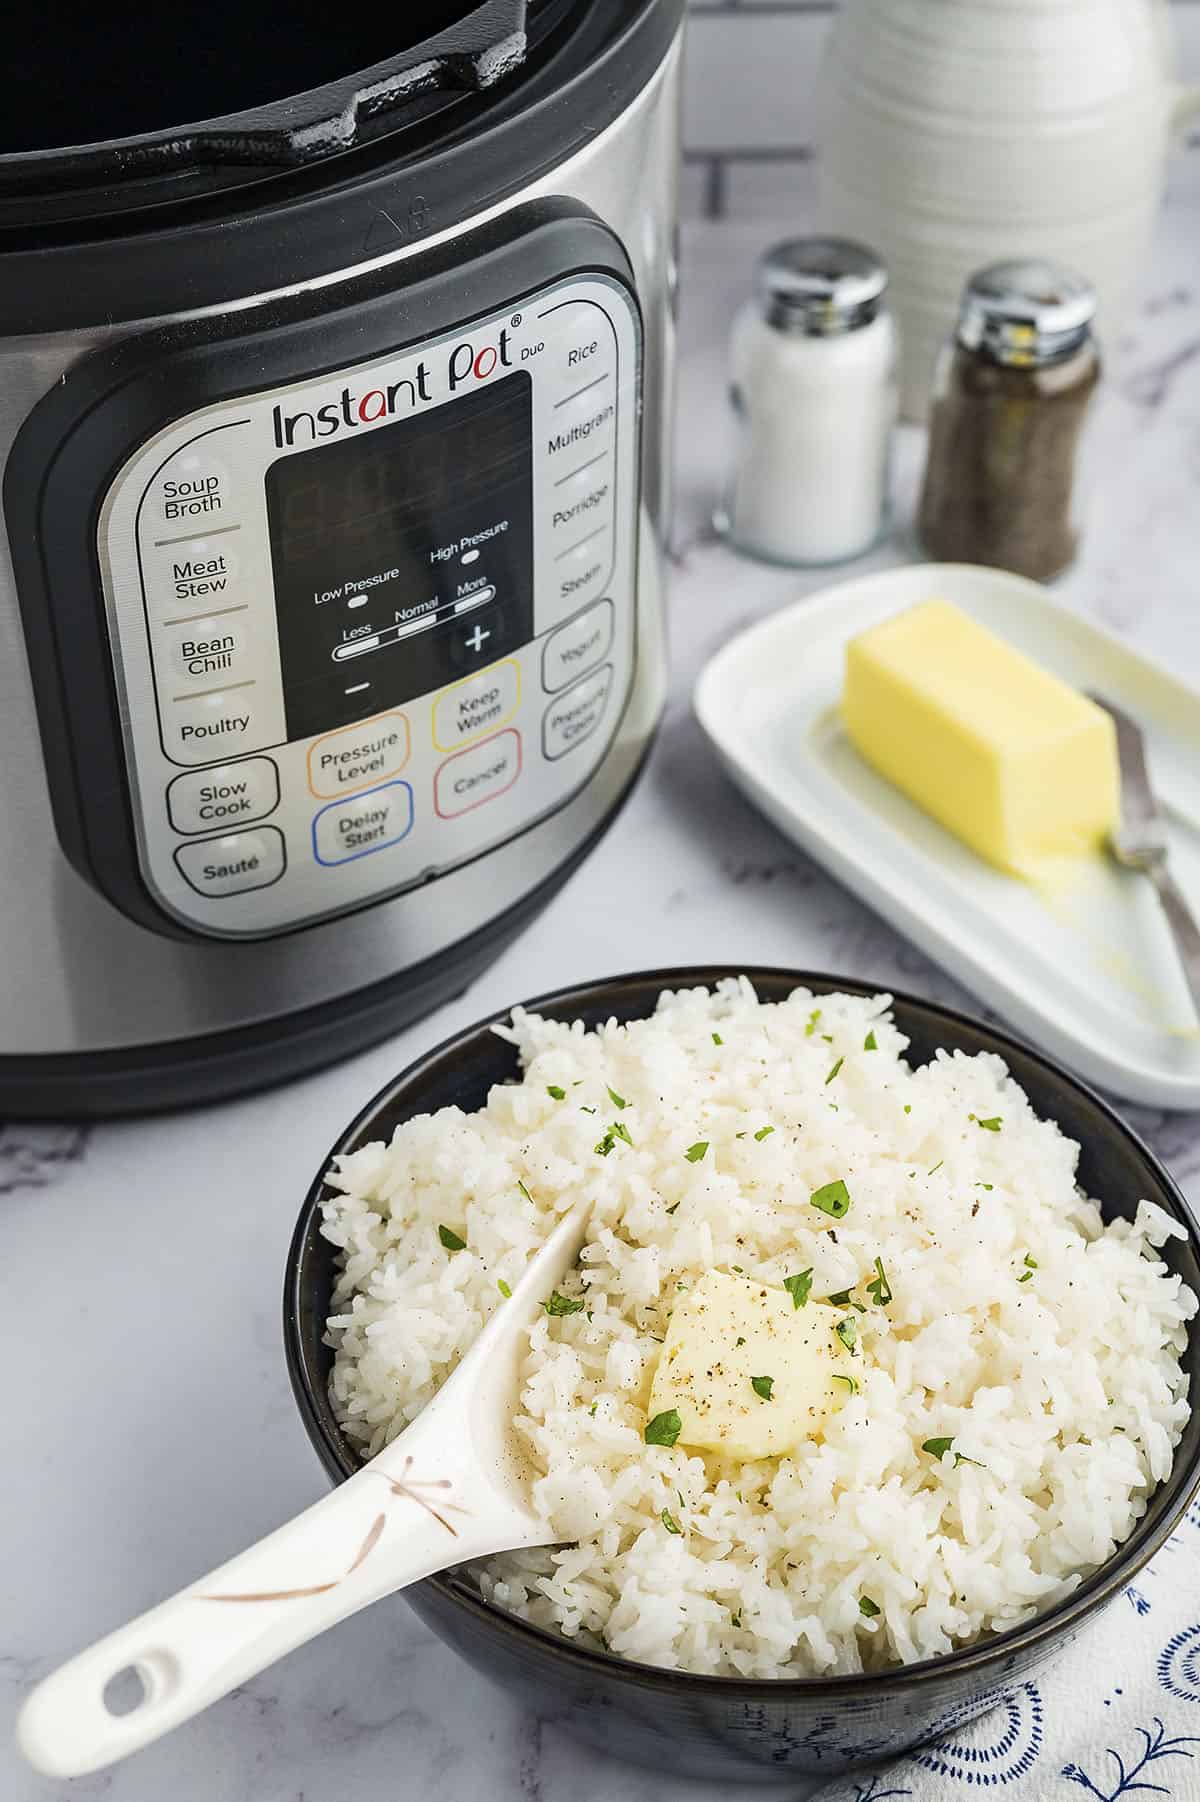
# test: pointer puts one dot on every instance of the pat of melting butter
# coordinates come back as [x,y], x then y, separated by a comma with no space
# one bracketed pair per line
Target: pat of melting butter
[726,1332]
[1006,756]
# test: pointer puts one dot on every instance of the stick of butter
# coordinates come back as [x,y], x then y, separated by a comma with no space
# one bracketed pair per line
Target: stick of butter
[1010,759]
[749,1373]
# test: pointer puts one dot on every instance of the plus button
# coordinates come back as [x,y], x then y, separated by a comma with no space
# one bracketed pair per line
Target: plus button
[477,639]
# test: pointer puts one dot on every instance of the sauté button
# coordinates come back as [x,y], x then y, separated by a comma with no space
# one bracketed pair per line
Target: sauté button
[574,715]
[470,778]
[205,800]
[357,756]
[363,823]
[577,646]
[474,708]
[231,865]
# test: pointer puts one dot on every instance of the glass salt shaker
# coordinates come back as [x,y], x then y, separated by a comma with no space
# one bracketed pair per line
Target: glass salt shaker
[1011,396]
[813,388]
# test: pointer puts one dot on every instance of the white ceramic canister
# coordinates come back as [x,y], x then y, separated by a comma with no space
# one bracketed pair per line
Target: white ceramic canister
[813,389]
[958,133]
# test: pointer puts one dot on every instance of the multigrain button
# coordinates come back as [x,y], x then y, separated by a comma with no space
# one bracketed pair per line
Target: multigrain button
[231,865]
[581,424]
[199,728]
[577,646]
[574,715]
[369,822]
[474,708]
[358,756]
[472,777]
[205,800]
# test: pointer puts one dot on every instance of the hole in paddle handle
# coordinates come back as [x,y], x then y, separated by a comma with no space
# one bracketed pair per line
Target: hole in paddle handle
[125,1691]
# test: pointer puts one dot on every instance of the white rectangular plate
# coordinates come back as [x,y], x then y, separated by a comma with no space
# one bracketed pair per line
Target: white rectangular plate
[1089,976]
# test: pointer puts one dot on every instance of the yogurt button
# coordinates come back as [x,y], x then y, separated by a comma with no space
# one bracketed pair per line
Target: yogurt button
[227,794]
[577,646]
[231,865]
[574,715]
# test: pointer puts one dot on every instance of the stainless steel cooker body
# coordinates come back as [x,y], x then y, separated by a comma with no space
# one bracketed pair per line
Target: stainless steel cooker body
[282,869]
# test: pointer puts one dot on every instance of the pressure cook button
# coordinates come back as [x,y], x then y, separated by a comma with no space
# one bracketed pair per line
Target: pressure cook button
[470,778]
[230,865]
[474,708]
[208,651]
[190,493]
[358,756]
[204,800]
[584,641]
[197,728]
[575,714]
[356,827]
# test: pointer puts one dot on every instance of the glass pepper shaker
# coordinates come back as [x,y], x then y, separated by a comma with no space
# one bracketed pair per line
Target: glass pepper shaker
[813,389]
[1011,396]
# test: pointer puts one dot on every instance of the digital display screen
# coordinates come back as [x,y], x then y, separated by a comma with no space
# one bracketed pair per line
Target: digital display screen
[402,555]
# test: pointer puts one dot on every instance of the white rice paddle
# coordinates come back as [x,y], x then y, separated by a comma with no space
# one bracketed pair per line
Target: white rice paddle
[453,1486]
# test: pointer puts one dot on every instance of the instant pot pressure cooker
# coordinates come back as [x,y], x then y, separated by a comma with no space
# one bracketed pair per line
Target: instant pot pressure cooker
[335,379]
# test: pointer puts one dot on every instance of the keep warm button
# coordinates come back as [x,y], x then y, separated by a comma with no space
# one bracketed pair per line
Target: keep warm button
[575,714]
[474,708]
[355,828]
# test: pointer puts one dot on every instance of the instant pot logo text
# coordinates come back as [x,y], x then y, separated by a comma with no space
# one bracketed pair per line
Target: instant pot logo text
[469,361]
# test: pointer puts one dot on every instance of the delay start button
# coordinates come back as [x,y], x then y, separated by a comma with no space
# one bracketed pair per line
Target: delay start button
[229,793]
[358,756]
[218,867]
[355,828]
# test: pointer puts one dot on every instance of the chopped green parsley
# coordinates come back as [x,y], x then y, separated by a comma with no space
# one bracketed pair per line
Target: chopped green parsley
[504,1289]
[670,1523]
[847,1332]
[664,1429]
[832,1198]
[871,1043]
[834,1071]
[717,1039]
[799,1287]
[524,1190]
[450,1239]
[868,1607]
[937,1448]
[562,1304]
[991,1125]
[617,1100]
[764,1132]
[812,1023]
[879,1289]
[555,1093]
[850,1382]
[695,1152]
[762,1386]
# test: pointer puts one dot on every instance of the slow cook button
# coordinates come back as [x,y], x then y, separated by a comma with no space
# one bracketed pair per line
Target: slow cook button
[229,866]
[203,800]
[340,762]
[197,729]
[474,708]
[575,647]
[370,822]
[575,714]
[472,777]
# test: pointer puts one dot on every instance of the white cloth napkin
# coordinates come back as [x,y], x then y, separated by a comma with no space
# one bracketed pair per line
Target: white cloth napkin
[1117,1717]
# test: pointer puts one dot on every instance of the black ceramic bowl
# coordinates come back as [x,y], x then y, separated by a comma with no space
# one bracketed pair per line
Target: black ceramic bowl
[726,1727]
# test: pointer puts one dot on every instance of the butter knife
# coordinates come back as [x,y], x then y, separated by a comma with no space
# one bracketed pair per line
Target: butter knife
[1139,841]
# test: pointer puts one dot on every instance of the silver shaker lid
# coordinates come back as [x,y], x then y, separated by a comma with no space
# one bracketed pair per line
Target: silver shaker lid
[1026,312]
[820,286]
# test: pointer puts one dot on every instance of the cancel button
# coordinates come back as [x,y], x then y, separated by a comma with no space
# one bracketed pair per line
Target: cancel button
[477,775]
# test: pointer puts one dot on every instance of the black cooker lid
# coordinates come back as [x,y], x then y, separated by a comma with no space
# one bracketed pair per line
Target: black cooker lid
[106,105]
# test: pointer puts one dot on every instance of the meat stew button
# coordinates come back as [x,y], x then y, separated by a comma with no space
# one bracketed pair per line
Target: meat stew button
[230,793]
[343,761]
[574,715]
[229,866]
[364,823]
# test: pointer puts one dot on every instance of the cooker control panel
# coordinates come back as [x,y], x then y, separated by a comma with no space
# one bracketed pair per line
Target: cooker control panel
[368,625]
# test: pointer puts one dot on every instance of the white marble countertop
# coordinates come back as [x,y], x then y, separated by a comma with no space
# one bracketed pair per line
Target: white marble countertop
[152,1431]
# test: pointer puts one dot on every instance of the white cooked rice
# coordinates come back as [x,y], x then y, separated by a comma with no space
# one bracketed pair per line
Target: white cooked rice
[1066,1388]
